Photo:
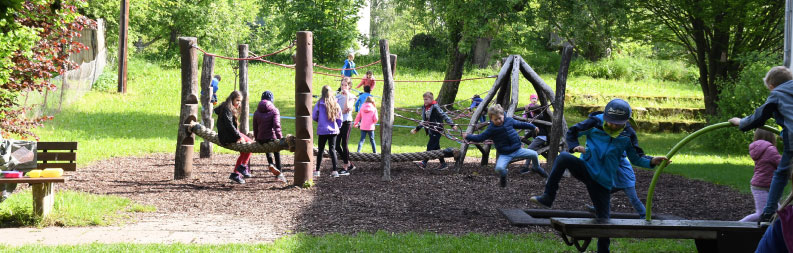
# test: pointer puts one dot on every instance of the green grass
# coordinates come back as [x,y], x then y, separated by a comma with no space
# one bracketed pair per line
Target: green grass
[70,209]
[382,242]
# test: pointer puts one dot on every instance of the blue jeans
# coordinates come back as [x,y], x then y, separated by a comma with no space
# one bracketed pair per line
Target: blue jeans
[635,202]
[600,196]
[503,160]
[364,133]
[772,240]
[778,183]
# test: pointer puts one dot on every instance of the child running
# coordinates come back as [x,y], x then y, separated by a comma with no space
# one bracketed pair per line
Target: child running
[367,81]
[434,115]
[267,128]
[507,141]
[328,115]
[779,105]
[766,159]
[365,120]
[228,114]
[608,137]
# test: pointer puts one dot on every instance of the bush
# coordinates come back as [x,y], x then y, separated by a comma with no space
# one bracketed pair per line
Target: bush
[428,45]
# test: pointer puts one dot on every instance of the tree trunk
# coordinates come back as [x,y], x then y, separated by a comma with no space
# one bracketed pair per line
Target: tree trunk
[705,82]
[454,70]
[481,52]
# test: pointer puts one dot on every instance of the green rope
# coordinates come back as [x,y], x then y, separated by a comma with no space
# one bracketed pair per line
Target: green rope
[677,147]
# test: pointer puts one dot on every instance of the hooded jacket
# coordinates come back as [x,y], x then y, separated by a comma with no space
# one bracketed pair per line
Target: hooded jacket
[766,158]
[267,122]
[227,128]
[325,126]
[505,138]
[779,105]
[367,117]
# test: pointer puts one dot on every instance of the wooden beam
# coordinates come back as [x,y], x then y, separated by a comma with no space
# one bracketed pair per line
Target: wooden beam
[123,37]
[387,108]
[544,92]
[304,72]
[207,71]
[243,49]
[559,126]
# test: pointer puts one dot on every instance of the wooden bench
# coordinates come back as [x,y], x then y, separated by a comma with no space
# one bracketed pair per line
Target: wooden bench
[50,155]
[709,235]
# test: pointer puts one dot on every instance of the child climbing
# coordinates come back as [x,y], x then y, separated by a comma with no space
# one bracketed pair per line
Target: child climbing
[362,98]
[228,114]
[507,141]
[328,115]
[538,139]
[766,159]
[475,101]
[779,104]
[608,137]
[367,81]
[434,116]
[533,104]
[349,66]
[345,98]
[267,128]
[365,120]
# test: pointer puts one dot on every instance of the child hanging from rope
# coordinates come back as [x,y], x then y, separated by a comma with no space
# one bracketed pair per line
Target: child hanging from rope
[367,81]
[433,116]
[267,128]
[349,66]
[228,114]
[507,141]
[779,104]
[366,120]
[608,137]
[328,115]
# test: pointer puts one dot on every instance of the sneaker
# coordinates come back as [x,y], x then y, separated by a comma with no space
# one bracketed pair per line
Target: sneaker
[590,209]
[316,174]
[334,174]
[351,167]
[503,181]
[273,170]
[765,217]
[421,165]
[243,171]
[525,171]
[282,178]
[443,166]
[344,173]
[540,171]
[541,200]
[236,178]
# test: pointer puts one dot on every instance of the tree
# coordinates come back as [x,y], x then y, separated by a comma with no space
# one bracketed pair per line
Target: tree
[715,32]
[54,24]
[590,26]
[333,23]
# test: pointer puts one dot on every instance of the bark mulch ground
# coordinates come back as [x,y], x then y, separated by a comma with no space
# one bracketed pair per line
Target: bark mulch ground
[415,200]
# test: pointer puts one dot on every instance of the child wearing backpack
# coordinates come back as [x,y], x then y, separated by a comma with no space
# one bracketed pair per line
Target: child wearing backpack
[779,104]
[365,120]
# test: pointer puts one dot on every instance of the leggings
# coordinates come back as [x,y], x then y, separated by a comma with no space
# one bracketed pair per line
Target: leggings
[342,149]
[331,140]
[244,157]
[760,199]
[271,155]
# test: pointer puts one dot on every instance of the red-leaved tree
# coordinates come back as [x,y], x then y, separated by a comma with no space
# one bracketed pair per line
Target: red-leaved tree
[57,23]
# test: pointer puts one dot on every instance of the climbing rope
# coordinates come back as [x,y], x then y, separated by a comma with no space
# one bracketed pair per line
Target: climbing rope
[401,157]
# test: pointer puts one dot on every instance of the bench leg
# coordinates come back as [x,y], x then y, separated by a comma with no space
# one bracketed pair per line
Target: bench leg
[43,199]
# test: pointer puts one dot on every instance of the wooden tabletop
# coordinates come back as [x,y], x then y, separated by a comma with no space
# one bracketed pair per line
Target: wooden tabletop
[32,180]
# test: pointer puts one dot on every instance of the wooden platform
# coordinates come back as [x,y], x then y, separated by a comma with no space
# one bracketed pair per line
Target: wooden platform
[26,180]
[541,217]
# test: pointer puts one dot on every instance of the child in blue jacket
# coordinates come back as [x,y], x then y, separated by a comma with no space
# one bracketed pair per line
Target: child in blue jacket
[349,66]
[779,104]
[608,137]
[507,141]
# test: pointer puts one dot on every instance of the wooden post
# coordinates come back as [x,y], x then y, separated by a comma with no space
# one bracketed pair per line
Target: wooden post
[515,85]
[243,48]
[123,36]
[304,72]
[393,58]
[43,199]
[207,70]
[559,129]
[481,108]
[387,108]
[183,162]
[544,92]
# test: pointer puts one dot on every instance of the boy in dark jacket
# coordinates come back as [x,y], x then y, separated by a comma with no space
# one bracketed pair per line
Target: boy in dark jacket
[779,104]
[433,114]
[267,128]
[507,141]
[608,137]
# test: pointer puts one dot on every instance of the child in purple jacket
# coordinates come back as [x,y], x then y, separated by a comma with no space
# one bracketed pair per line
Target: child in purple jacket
[766,159]
[267,128]
[328,115]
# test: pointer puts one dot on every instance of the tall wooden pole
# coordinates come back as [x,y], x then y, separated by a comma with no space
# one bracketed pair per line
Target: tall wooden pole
[304,76]
[387,108]
[207,70]
[243,48]
[123,36]
[393,58]
[183,162]
[559,125]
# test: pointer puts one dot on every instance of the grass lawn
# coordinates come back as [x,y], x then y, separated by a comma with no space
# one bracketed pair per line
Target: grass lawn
[382,242]
[70,209]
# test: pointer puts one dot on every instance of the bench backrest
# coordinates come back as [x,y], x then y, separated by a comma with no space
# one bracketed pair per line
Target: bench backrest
[57,155]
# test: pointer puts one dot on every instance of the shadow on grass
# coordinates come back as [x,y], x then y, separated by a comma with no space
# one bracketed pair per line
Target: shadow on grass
[119,125]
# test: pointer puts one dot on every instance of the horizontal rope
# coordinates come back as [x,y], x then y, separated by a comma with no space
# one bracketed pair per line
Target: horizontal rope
[243,59]
[361,67]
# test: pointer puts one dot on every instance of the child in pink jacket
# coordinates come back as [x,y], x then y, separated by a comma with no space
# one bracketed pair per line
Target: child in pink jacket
[766,159]
[365,120]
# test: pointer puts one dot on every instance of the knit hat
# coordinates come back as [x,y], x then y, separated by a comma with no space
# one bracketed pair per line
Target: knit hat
[617,112]
[267,95]
[533,96]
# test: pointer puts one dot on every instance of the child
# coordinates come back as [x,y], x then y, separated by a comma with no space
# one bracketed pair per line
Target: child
[475,101]
[328,115]
[365,120]
[625,181]
[433,114]
[349,66]
[608,137]
[507,141]
[228,112]
[766,159]
[367,81]
[779,104]
[527,111]
[345,99]
[540,138]
[267,128]
[362,98]
[213,98]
